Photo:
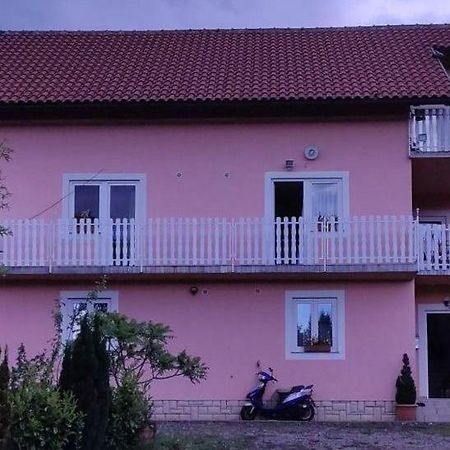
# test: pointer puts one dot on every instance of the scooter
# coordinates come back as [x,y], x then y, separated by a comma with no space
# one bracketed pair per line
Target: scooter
[297,404]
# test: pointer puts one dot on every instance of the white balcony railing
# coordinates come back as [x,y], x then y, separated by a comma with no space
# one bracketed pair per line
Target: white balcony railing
[209,242]
[433,248]
[429,130]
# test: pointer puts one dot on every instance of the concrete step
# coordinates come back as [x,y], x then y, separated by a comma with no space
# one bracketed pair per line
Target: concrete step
[435,410]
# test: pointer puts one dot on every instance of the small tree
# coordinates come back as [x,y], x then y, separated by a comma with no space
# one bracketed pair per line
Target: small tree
[5,407]
[85,373]
[138,356]
[406,388]
[5,155]
[139,350]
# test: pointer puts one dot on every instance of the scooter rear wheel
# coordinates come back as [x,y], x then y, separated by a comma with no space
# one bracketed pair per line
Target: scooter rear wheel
[248,412]
[306,412]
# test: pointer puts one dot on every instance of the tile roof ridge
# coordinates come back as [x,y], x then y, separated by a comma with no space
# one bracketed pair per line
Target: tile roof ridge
[233,30]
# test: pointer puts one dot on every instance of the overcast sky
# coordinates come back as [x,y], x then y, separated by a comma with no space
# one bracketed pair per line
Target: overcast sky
[182,14]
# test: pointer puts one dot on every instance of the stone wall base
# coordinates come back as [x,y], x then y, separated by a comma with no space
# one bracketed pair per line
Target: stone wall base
[327,411]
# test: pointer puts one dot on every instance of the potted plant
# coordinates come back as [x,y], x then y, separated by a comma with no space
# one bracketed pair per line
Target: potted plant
[317,345]
[406,394]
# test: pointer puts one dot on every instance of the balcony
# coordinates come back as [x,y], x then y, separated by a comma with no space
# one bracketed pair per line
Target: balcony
[429,131]
[211,245]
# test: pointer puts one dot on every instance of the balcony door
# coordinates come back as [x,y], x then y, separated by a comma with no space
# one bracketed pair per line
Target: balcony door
[102,217]
[306,211]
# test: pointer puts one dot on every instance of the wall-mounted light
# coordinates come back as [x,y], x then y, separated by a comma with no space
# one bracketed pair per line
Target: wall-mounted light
[193,290]
[311,153]
[289,164]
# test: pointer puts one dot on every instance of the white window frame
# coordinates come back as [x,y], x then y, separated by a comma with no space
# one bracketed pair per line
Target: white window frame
[104,180]
[342,178]
[68,298]
[293,298]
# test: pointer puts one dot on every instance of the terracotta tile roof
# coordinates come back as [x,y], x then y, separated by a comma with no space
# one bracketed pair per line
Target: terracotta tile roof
[389,62]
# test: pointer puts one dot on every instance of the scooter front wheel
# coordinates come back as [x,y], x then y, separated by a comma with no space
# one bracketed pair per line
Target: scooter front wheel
[248,412]
[306,412]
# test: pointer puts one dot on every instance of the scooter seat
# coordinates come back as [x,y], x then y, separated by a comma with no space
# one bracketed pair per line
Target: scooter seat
[297,388]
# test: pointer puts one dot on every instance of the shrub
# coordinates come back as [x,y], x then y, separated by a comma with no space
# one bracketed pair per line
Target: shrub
[406,388]
[44,418]
[128,416]
[85,373]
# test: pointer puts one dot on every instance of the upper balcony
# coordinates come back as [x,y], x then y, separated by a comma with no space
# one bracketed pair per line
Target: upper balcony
[198,246]
[429,131]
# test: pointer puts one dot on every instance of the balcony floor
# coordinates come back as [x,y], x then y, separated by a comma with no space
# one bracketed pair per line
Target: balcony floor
[253,272]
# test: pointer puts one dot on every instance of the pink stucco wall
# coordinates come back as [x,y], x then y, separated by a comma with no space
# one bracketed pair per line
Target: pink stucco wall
[232,325]
[374,153]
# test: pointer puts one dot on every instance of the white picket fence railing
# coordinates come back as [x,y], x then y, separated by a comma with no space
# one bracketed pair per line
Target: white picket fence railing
[209,242]
[433,248]
[429,129]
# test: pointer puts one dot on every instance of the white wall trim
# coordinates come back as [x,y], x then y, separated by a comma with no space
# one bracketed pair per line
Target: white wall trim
[91,178]
[422,311]
[339,295]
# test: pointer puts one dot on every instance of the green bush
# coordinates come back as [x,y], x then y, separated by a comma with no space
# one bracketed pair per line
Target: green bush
[128,416]
[44,418]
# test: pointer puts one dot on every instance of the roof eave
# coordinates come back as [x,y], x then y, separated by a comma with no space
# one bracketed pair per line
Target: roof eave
[212,109]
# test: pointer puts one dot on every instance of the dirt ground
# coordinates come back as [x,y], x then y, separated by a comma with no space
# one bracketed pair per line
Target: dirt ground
[264,435]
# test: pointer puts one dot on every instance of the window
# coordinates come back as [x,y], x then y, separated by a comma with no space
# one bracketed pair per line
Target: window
[315,325]
[74,305]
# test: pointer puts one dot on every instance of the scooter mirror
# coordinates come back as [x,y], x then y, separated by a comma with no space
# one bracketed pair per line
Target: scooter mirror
[270,370]
[258,364]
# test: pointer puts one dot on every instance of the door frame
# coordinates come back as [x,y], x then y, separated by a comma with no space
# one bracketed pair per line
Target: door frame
[422,312]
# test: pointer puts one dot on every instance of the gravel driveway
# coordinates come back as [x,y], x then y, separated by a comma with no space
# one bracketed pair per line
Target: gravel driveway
[262,435]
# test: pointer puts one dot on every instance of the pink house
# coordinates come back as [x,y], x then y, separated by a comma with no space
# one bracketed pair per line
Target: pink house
[253,189]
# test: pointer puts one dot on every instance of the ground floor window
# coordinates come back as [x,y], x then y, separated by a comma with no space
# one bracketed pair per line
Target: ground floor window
[315,325]
[75,304]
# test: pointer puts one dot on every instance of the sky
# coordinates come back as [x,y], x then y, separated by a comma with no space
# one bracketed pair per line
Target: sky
[185,14]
